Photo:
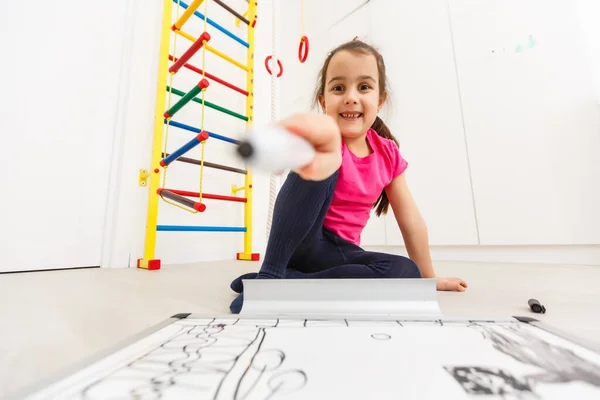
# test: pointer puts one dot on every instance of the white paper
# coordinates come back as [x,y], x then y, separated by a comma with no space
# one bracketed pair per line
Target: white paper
[293,358]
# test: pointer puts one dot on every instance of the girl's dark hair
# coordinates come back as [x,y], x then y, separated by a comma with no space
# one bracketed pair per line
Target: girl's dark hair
[359,47]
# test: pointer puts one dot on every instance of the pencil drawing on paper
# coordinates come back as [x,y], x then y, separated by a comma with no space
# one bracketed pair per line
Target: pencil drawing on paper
[555,365]
[225,361]
[249,359]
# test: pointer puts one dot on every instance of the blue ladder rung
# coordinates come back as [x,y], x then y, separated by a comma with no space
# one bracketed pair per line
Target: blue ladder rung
[187,228]
[217,26]
[197,130]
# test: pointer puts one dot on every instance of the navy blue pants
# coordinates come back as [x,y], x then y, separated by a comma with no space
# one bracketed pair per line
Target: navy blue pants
[300,247]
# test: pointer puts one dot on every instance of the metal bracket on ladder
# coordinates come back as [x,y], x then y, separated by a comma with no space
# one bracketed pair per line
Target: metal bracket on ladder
[398,298]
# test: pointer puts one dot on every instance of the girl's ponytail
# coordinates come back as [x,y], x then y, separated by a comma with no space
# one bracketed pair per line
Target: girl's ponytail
[382,130]
[382,204]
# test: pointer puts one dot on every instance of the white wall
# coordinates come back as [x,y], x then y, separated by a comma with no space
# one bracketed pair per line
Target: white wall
[427,118]
[587,14]
[532,122]
[61,71]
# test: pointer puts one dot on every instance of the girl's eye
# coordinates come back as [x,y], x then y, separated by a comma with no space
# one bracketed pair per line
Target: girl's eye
[336,88]
[365,87]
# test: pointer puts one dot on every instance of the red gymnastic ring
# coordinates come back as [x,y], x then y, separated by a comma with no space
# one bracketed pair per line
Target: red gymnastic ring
[303,47]
[269,68]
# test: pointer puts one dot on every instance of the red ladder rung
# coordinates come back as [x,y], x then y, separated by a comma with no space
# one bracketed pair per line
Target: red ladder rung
[208,196]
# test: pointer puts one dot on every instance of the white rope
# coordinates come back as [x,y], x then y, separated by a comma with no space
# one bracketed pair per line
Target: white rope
[273,182]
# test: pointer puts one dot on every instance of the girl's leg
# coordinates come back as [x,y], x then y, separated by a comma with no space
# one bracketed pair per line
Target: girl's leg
[351,261]
[372,265]
[298,218]
[334,258]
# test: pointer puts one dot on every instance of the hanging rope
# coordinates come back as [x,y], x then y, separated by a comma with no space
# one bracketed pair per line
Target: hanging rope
[301,15]
[169,100]
[164,180]
[303,47]
[273,181]
[203,102]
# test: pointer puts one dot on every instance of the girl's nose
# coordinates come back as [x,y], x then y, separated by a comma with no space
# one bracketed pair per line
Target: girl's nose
[351,99]
[351,96]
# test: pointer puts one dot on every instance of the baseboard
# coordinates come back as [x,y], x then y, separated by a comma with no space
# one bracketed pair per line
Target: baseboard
[563,255]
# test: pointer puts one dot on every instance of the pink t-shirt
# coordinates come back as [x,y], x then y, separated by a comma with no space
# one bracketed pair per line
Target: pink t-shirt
[359,185]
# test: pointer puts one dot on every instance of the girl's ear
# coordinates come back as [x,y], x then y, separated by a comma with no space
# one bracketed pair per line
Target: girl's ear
[382,100]
[322,102]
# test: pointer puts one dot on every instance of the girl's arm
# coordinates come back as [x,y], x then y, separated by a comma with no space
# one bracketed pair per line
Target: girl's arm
[414,231]
[411,224]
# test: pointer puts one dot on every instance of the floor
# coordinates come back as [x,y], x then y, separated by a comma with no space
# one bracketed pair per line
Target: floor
[51,320]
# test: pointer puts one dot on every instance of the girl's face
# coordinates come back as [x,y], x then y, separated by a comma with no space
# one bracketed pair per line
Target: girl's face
[351,94]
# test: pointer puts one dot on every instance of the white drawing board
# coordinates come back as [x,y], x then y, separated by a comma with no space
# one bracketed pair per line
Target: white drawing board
[246,357]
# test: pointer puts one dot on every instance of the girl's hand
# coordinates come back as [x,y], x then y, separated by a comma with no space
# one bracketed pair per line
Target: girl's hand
[323,133]
[451,284]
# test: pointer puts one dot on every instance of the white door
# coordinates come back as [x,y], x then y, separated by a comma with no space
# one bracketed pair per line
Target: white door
[60,67]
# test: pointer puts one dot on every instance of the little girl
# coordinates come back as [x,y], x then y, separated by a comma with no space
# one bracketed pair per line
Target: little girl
[322,208]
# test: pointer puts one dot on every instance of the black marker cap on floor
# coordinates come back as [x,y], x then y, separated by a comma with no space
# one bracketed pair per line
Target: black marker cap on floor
[536,307]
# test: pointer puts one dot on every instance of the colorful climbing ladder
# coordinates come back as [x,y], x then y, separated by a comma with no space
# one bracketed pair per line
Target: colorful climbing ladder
[165,113]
